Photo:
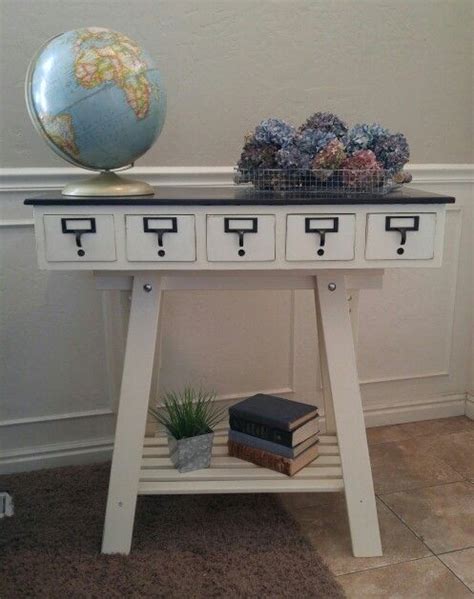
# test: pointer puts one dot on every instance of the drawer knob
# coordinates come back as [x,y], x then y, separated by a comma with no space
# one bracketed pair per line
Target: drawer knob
[332,286]
[147,287]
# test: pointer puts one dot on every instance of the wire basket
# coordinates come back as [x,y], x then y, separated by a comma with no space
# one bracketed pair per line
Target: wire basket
[341,182]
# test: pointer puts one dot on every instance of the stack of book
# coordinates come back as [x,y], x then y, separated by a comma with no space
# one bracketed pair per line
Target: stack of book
[274,432]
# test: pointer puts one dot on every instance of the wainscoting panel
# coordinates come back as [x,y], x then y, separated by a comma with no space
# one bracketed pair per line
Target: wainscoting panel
[61,340]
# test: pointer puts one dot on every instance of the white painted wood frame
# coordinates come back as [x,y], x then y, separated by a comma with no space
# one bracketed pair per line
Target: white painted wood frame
[142,466]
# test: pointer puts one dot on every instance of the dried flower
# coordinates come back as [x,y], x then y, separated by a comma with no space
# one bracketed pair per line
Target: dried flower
[328,122]
[364,137]
[392,151]
[274,131]
[300,151]
[257,155]
[362,170]
[331,156]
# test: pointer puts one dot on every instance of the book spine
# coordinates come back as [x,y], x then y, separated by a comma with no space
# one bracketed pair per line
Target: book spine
[261,431]
[259,457]
[277,448]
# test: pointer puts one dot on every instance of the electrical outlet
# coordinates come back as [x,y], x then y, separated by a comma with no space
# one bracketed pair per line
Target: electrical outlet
[6,504]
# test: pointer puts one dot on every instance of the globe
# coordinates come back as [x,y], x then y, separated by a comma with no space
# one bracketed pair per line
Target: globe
[98,100]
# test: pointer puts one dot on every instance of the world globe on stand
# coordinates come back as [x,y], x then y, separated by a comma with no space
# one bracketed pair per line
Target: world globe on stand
[98,100]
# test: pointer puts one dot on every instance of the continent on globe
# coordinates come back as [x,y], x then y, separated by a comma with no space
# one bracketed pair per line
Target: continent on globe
[104,56]
[60,130]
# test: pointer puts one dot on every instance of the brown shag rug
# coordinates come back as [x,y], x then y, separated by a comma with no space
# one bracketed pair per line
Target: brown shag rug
[191,546]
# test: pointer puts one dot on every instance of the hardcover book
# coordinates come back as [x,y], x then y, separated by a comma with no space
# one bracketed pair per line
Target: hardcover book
[277,448]
[272,461]
[275,435]
[274,412]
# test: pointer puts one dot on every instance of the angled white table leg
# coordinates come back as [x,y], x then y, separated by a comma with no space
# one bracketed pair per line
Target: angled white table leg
[329,417]
[132,413]
[349,417]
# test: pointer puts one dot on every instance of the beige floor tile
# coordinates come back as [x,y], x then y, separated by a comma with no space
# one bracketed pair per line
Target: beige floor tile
[323,519]
[455,449]
[400,466]
[385,434]
[426,578]
[462,564]
[442,516]
[439,426]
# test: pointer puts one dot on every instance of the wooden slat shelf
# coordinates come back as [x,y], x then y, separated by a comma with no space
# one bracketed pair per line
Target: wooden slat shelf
[231,475]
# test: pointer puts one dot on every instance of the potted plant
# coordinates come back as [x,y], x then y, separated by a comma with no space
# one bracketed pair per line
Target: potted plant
[189,417]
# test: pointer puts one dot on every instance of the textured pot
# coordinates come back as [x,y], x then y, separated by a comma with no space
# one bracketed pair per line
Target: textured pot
[192,453]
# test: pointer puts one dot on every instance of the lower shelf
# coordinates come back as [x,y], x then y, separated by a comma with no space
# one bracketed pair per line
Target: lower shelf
[231,475]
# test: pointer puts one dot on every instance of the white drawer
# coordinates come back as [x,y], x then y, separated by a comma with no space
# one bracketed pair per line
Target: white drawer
[163,238]
[79,238]
[400,236]
[240,238]
[320,237]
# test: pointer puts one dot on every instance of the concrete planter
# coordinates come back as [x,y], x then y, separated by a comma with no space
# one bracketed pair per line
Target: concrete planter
[192,453]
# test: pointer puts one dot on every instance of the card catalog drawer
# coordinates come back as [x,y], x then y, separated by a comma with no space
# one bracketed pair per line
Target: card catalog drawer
[320,237]
[77,238]
[240,238]
[400,236]
[164,238]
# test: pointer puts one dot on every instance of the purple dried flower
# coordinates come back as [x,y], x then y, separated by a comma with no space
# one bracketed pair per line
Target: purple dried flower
[328,122]
[361,170]
[290,156]
[257,155]
[392,151]
[274,131]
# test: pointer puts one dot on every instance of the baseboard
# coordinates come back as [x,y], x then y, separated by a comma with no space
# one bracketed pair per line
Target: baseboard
[470,406]
[100,450]
[420,409]
[54,455]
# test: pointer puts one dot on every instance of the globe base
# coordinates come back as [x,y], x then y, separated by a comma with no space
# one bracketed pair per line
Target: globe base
[108,184]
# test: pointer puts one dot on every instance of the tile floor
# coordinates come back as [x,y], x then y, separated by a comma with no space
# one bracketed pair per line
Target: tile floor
[424,481]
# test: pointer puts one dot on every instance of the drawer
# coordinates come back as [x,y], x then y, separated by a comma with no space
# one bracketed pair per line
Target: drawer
[164,238]
[320,237]
[392,236]
[240,238]
[78,237]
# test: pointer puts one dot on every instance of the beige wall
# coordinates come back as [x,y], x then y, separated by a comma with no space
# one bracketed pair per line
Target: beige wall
[405,63]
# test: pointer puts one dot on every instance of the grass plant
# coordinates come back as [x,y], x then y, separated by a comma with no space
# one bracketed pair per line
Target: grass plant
[188,413]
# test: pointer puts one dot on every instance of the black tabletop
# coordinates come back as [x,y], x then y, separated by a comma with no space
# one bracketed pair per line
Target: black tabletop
[238,196]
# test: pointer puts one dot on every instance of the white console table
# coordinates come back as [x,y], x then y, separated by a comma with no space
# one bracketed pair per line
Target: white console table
[224,238]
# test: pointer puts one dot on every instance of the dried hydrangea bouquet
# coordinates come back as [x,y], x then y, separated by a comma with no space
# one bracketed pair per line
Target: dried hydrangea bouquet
[323,154]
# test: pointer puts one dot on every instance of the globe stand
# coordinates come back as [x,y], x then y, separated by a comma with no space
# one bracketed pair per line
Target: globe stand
[106,184]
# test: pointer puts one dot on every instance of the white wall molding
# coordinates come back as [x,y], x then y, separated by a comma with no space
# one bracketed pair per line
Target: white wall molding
[100,449]
[54,178]
[423,391]
[54,417]
[470,406]
[37,179]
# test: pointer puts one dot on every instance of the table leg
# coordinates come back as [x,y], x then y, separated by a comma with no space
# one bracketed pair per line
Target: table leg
[329,417]
[349,418]
[132,413]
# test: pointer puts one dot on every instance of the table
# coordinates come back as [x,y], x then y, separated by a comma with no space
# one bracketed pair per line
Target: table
[191,238]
